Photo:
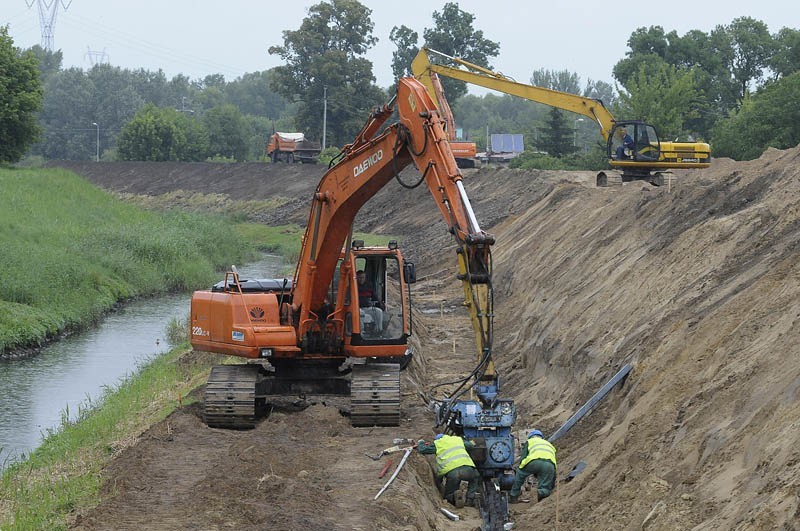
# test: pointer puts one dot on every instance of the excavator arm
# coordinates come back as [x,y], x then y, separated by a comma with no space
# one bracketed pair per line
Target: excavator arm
[473,409]
[422,68]
[366,166]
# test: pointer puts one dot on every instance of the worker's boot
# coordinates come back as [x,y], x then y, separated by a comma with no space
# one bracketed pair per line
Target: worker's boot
[461,495]
[518,499]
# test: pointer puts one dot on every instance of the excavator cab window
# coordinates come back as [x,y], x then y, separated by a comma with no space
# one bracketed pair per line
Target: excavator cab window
[633,141]
[647,145]
[379,297]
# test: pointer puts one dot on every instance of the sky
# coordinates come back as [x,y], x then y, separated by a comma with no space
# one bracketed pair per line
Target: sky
[231,37]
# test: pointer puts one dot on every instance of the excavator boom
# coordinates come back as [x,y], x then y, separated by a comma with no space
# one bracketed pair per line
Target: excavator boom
[594,109]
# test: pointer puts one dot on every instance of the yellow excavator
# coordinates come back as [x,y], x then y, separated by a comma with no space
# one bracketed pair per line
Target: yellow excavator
[633,148]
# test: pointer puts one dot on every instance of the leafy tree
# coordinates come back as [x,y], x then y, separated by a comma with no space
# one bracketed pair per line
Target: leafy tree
[752,47]
[646,45]
[709,55]
[252,94]
[786,58]
[115,99]
[161,135]
[196,146]
[650,40]
[600,90]
[326,53]
[770,118]
[665,96]
[561,80]
[49,62]
[258,129]
[557,138]
[227,132]
[153,87]
[406,41]
[67,116]
[211,81]
[453,34]
[206,98]
[20,99]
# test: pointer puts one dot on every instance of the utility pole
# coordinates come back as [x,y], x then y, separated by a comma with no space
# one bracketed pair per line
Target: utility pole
[48,9]
[575,132]
[183,108]
[97,151]
[324,115]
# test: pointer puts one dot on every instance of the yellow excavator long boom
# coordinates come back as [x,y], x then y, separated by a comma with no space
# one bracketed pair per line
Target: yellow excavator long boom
[421,67]
[641,156]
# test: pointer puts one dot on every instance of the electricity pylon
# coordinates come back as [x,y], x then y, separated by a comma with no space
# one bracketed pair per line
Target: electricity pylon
[48,9]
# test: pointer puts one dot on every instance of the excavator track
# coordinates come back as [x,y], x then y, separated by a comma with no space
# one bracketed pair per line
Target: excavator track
[609,178]
[375,395]
[230,399]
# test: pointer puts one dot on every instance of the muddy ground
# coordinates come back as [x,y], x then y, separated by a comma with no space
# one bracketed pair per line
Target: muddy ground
[697,284]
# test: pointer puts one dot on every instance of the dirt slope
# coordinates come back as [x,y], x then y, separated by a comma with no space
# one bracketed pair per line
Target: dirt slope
[696,285]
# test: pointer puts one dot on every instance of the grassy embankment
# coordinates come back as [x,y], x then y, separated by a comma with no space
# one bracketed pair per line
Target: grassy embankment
[70,251]
[89,250]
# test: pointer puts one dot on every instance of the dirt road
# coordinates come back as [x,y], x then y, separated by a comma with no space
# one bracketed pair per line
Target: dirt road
[697,284]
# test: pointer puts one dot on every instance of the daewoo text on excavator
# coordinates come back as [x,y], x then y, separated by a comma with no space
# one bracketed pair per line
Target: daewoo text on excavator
[642,157]
[319,334]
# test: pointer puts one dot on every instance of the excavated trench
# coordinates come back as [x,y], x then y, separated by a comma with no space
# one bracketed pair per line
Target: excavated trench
[697,285]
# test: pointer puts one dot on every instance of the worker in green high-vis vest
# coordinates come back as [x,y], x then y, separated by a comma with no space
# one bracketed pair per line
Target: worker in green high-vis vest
[454,463]
[539,460]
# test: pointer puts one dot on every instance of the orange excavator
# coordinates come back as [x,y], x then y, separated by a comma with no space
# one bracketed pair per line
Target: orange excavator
[317,333]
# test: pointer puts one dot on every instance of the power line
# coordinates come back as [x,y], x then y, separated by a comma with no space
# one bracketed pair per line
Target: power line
[135,42]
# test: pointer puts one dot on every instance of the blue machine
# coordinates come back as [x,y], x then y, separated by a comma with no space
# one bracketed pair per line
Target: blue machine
[488,423]
[490,429]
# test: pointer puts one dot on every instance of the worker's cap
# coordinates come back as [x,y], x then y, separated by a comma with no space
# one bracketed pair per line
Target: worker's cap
[438,436]
[535,433]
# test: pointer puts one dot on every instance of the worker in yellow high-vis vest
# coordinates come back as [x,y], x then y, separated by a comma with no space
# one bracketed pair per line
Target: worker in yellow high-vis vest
[538,459]
[454,463]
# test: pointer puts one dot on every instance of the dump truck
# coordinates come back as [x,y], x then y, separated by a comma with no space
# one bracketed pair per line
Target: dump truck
[292,147]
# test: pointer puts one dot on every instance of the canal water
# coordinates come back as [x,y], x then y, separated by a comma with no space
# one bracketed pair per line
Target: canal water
[37,392]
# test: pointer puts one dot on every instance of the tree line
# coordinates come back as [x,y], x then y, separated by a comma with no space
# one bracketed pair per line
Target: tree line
[734,87]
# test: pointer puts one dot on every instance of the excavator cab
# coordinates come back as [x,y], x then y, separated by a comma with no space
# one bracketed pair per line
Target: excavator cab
[380,299]
[633,142]
[633,147]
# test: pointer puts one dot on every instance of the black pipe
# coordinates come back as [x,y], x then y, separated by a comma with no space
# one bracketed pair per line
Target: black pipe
[598,396]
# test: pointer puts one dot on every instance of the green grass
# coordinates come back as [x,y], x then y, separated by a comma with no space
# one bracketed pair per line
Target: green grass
[63,475]
[69,251]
